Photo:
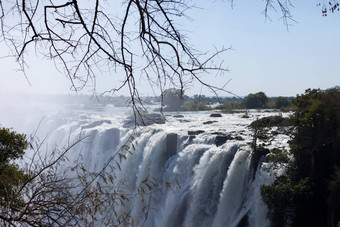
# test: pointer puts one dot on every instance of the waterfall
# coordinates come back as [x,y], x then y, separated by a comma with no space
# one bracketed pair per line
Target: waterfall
[194,180]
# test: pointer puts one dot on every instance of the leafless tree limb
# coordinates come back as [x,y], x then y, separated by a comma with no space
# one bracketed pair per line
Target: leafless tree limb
[85,40]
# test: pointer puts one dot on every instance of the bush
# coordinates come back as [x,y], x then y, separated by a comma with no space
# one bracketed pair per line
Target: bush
[255,101]
[194,106]
[282,102]
[271,121]
[12,146]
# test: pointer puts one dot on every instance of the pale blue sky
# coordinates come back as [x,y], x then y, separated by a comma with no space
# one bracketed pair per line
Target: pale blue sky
[264,56]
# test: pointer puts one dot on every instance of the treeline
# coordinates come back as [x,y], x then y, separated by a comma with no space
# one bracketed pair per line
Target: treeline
[173,100]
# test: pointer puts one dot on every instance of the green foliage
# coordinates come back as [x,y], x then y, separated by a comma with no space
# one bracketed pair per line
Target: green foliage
[12,146]
[271,121]
[11,178]
[257,100]
[278,197]
[230,105]
[316,143]
[190,105]
[263,126]
[333,199]
[278,156]
[282,102]
[311,184]
[285,199]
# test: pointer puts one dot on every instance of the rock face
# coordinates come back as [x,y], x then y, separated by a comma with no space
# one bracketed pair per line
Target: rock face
[244,222]
[239,138]
[195,133]
[209,122]
[221,139]
[258,153]
[171,144]
[144,120]
[215,115]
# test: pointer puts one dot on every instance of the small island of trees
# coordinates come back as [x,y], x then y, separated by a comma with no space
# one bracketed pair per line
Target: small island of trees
[174,100]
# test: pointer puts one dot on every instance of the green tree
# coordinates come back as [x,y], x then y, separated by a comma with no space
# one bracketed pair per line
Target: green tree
[12,146]
[281,102]
[313,175]
[257,100]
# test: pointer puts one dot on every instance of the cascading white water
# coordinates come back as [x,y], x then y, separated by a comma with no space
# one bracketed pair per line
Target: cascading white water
[198,184]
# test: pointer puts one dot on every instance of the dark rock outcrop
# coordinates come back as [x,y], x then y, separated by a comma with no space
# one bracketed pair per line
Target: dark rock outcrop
[215,115]
[218,133]
[144,120]
[222,139]
[239,138]
[244,222]
[184,120]
[171,144]
[209,122]
[191,138]
[258,153]
[195,133]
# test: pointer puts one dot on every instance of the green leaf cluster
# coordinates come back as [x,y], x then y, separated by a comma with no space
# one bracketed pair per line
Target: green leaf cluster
[12,147]
[283,199]
[282,102]
[271,121]
[257,100]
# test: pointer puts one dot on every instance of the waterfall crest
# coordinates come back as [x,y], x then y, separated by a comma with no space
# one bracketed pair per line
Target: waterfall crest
[194,180]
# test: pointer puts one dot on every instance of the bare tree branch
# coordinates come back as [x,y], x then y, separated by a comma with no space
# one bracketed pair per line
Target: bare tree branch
[85,40]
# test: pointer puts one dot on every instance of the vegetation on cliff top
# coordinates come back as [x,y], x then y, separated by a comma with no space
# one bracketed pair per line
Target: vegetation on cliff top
[308,193]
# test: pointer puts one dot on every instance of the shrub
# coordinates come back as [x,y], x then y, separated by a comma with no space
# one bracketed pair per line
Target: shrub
[258,100]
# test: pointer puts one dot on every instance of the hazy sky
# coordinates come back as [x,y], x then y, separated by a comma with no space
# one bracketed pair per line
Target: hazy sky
[264,56]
